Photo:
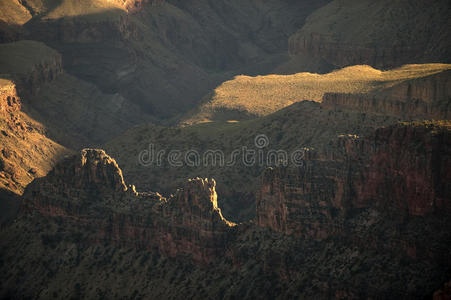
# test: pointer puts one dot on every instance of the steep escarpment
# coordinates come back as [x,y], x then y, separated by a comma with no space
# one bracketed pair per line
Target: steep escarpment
[381,192]
[90,188]
[402,170]
[381,34]
[427,97]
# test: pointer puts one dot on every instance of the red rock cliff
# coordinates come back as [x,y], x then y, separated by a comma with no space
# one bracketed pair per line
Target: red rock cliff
[403,169]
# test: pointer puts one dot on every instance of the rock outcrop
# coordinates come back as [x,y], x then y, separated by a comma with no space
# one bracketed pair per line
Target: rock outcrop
[401,170]
[9,100]
[26,153]
[90,187]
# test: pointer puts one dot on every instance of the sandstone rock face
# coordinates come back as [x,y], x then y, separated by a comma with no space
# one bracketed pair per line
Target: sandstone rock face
[402,169]
[427,97]
[25,151]
[95,177]
[90,188]
[9,101]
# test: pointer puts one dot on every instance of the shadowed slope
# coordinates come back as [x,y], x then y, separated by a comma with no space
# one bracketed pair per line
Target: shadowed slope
[381,33]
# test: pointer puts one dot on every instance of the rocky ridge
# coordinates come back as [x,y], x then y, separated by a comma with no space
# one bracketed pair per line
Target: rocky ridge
[187,223]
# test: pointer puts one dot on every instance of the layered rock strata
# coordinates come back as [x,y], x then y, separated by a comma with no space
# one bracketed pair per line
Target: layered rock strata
[428,97]
[401,170]
[90,188]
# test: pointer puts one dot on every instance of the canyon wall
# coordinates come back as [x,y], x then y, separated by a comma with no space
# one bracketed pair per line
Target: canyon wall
[84,206]
[382,34]
[428,97]
[401,170]
[344,54]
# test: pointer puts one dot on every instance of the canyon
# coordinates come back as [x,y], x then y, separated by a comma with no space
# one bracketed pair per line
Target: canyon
[322,200]
[361,89]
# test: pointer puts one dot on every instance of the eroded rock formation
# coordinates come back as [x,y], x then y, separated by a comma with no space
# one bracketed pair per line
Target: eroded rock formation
[25,151]
[402,170]
[83,208]
[9,101]
[90,188]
